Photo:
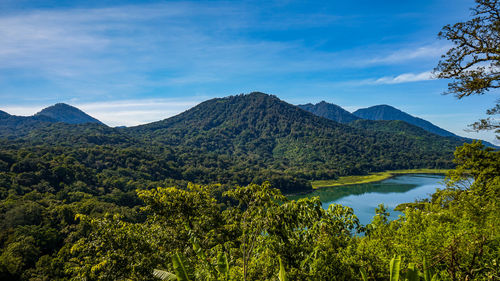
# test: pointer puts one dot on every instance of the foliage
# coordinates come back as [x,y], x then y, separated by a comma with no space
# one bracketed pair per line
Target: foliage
[251,226]
[474,61]
[456,230]
[235,140]
[227,232]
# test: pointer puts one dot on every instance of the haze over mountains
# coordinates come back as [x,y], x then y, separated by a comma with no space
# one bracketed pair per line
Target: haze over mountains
[381,118]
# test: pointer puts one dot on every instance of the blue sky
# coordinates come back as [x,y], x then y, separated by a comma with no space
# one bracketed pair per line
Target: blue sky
[131,62]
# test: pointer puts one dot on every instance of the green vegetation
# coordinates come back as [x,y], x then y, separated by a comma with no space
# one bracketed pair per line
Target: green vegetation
[236,140]
[389,113]
[88,202]
[89,187]
[473,61]
[60,222]
[373,177]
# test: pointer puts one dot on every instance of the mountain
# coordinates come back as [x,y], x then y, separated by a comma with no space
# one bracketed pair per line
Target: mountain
[255,136]
[62,112]
[391,126]
[4,114]
[330,111]
[238,140]
[387,112]
[13,126]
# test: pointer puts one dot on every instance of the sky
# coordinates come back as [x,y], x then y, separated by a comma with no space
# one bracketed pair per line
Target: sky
[133,62]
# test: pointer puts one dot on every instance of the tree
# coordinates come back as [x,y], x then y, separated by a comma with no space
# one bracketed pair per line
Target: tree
[474,61]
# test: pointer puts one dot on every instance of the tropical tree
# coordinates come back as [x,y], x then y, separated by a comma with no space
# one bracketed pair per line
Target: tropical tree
[474,61]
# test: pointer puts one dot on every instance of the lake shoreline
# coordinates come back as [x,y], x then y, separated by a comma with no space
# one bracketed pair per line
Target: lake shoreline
[365,198]
[371,178]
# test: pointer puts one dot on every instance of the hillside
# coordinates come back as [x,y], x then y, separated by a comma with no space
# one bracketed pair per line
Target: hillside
[258,134]
[330,111]
[392,126]
[62,112]
[12,126]
[383,118]
[387,112]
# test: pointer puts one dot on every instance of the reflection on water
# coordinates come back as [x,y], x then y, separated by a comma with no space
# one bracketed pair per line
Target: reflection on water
[364,198]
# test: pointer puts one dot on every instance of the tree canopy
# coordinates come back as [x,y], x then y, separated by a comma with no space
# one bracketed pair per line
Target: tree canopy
[474,61]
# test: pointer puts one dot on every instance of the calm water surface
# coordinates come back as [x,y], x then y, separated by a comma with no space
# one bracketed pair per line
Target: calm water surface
[364,198]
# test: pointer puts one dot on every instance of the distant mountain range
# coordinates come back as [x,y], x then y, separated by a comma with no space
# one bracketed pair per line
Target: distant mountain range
[377,112]
[387,112]
[372,118]
[249,138]
[65,113]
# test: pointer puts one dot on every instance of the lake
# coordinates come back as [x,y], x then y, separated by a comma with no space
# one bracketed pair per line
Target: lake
[364,198]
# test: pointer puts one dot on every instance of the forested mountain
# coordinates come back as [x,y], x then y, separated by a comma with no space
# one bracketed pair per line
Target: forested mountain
[330,111]
[62,112]
[246,138]
[383,118]
[393,126]
[259,130]
[12,126]
[387,112]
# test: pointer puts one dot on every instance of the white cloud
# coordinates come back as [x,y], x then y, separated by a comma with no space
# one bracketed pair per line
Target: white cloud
[121,113]
[432,51]
[136,112]
[404,78]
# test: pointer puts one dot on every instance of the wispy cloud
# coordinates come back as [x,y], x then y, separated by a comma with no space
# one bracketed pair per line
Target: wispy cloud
[433,51]
[135,112]
[405,78]
[132,49]
[397,79]
[125,51]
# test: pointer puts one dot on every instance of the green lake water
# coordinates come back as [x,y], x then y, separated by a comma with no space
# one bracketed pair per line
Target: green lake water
[364,198]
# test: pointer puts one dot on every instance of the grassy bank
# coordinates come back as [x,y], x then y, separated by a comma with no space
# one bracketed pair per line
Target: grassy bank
[374,177]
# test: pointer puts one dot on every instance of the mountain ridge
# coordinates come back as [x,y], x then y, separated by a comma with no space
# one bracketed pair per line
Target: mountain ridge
[330,111]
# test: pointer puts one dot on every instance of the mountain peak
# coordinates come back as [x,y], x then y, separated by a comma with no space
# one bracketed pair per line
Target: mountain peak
[387,112]
[66,113]
[257,112]
[329,111]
